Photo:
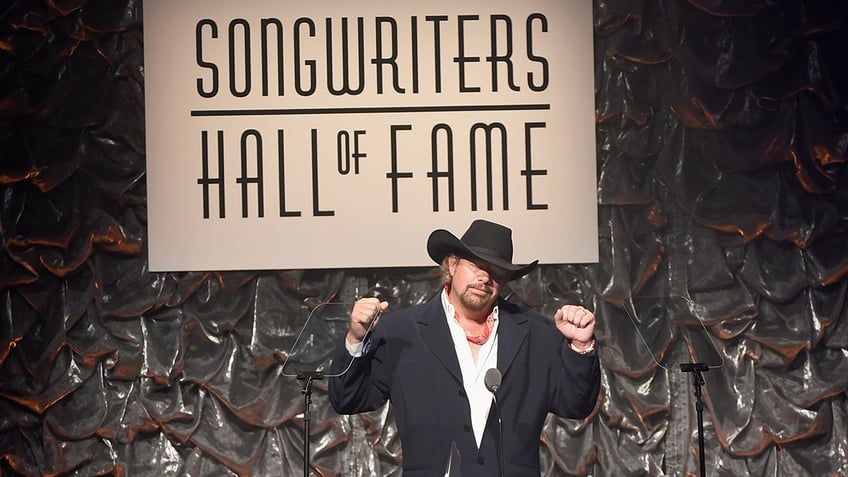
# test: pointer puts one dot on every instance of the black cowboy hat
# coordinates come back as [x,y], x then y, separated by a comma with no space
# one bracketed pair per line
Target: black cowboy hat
[483,240]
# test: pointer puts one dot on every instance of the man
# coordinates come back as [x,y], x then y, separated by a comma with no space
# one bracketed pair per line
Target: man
[431,361]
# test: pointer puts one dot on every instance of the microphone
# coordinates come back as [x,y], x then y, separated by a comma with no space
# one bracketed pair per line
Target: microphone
[492,380]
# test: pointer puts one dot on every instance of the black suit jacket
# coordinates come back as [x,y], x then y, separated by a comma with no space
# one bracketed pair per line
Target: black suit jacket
[410,360]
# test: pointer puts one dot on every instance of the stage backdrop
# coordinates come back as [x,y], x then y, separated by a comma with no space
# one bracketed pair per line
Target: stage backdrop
[722,180]
[308,130]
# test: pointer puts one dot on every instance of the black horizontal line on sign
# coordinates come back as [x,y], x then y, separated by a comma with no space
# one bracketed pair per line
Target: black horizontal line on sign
[370,109]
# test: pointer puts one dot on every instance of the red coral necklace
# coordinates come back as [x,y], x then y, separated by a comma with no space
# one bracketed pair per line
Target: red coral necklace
[480,339]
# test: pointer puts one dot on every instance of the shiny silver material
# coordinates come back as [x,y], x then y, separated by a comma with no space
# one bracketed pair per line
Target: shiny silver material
[722,178]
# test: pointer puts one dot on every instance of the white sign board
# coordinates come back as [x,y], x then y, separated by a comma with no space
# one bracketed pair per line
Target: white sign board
[337,134]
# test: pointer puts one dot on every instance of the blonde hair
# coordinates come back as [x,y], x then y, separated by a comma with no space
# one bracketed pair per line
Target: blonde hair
[444,269]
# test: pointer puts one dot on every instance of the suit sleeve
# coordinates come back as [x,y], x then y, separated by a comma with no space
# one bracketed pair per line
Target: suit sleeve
[363,386]
[579,386]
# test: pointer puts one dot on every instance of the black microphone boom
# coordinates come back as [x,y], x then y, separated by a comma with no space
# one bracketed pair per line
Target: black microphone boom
[492,380]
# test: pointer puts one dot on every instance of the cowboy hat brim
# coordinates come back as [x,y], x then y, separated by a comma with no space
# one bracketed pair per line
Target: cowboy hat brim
[442,242]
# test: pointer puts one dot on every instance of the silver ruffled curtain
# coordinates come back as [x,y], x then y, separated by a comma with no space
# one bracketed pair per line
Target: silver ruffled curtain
[722,133]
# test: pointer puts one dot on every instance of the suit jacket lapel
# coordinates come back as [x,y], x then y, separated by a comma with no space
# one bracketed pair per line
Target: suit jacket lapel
[435,332]
[511,334]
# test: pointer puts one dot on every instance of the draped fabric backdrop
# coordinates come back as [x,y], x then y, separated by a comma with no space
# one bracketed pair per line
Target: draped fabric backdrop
[722,133]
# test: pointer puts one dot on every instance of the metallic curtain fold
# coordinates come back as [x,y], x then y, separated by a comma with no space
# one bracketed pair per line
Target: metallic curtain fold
[722,143]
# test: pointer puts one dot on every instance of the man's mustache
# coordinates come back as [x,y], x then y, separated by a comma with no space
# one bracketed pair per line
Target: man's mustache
[485,288]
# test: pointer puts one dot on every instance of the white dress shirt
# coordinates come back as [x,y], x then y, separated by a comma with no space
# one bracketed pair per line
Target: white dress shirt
[479,398]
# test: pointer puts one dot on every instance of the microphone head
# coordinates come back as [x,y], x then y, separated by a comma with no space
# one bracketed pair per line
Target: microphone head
[492,380]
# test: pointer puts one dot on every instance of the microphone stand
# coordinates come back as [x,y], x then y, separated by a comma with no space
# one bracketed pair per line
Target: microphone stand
[307,377]
[492,381]
[698,381]
[500,433]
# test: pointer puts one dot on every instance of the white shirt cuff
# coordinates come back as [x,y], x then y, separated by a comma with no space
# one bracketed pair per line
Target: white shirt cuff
[355,350]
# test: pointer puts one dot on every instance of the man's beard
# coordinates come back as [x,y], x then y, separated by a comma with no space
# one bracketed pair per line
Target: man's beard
[475,302]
